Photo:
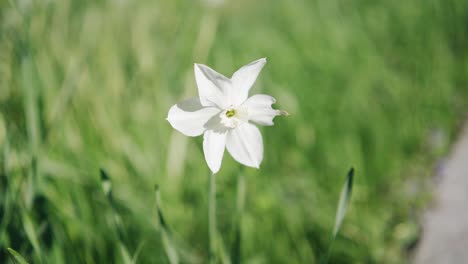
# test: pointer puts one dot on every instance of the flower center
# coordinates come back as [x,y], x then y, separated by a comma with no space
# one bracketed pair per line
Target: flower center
[230,113]
[232,117]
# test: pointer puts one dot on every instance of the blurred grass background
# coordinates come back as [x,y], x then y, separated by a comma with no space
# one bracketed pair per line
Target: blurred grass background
[378,85]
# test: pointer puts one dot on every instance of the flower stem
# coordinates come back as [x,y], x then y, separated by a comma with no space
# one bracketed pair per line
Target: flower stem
[240,194]
[236,248]
[212,217]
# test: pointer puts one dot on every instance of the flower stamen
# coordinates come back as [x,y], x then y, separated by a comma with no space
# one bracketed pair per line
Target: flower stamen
[230,113]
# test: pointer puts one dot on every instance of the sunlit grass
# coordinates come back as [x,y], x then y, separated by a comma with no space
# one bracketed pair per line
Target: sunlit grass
[87,85]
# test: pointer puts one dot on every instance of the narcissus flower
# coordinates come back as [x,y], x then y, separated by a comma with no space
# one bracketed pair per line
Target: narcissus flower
[225,115]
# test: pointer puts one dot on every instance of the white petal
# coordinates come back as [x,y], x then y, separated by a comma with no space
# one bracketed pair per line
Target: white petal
[245,145]
[213,147]
[244,78]
[259,109]
[189,116]
[213,87]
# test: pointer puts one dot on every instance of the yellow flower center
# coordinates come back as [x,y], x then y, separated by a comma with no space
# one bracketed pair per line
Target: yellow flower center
[230,113]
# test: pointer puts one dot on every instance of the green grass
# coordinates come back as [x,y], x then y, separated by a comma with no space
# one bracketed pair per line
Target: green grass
[86,85]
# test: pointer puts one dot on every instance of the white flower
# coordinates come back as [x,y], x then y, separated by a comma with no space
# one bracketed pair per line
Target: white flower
[224,114]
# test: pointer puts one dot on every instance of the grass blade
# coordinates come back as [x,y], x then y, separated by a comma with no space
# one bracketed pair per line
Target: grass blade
[31,234]
[32,116]
[125,255]
[17,256]
[345,196]
[106,185]
[137,252]
[171,251]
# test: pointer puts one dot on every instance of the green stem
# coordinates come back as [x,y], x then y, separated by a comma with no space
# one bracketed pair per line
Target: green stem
[240,194]
[212,217]
[236,248]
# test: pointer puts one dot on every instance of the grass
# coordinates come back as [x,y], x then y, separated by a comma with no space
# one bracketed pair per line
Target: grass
[84,85]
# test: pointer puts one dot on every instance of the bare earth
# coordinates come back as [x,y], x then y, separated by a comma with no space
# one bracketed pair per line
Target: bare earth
[445,225]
